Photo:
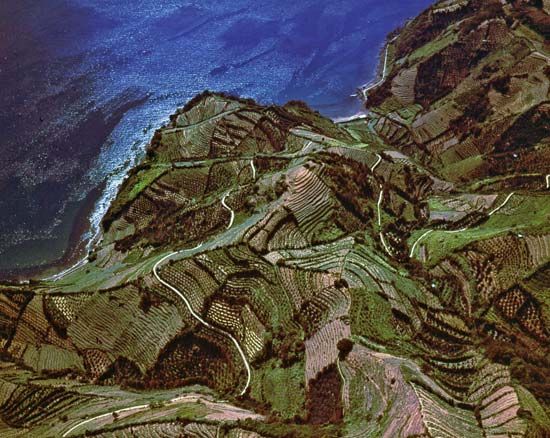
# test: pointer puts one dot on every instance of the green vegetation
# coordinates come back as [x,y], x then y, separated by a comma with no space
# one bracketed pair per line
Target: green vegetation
[286,404]
[436,204]
[371,317]
[144,179]
[459,170]
[434,46]
[260,283]
[138,181]
[528,213]
[440,244]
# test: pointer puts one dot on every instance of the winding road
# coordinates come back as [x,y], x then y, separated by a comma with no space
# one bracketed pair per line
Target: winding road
[548,181]
[195,314]
[186,398]
[189,308]
[385,245]
[108,414]
[201,320]
[418,241]
[503,204]
[344,383]
[378,161]
[230,210]
[379,206]
[253,169]
[66,272]
[366,87]
[302,151]
[462,229]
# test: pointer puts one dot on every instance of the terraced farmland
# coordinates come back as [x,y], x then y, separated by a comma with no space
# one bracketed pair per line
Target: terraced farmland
[266,272]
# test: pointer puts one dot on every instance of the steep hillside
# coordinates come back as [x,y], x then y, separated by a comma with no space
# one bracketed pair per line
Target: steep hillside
[265,272]
[467,93]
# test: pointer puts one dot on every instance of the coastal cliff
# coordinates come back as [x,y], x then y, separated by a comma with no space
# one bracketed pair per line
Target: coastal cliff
[266,272]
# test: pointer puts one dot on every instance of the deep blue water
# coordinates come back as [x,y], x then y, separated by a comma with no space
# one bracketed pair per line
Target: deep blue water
[84,82]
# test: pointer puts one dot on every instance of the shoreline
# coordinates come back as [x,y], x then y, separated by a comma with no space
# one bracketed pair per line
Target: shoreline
[76,248]
[76,225]
[381,73]
[97,202]
[86,225]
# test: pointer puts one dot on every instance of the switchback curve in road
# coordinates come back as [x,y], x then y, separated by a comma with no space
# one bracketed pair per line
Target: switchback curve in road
[230,211]
[378,161]
[200,319]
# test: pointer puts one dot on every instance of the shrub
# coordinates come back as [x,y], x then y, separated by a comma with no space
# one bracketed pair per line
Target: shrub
[341,283]
[344,348]
[502,84]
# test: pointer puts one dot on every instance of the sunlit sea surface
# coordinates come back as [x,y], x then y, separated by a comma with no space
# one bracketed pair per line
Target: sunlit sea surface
[85,83]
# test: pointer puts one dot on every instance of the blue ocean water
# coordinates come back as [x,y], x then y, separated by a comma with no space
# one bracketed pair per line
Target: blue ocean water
[86,82]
